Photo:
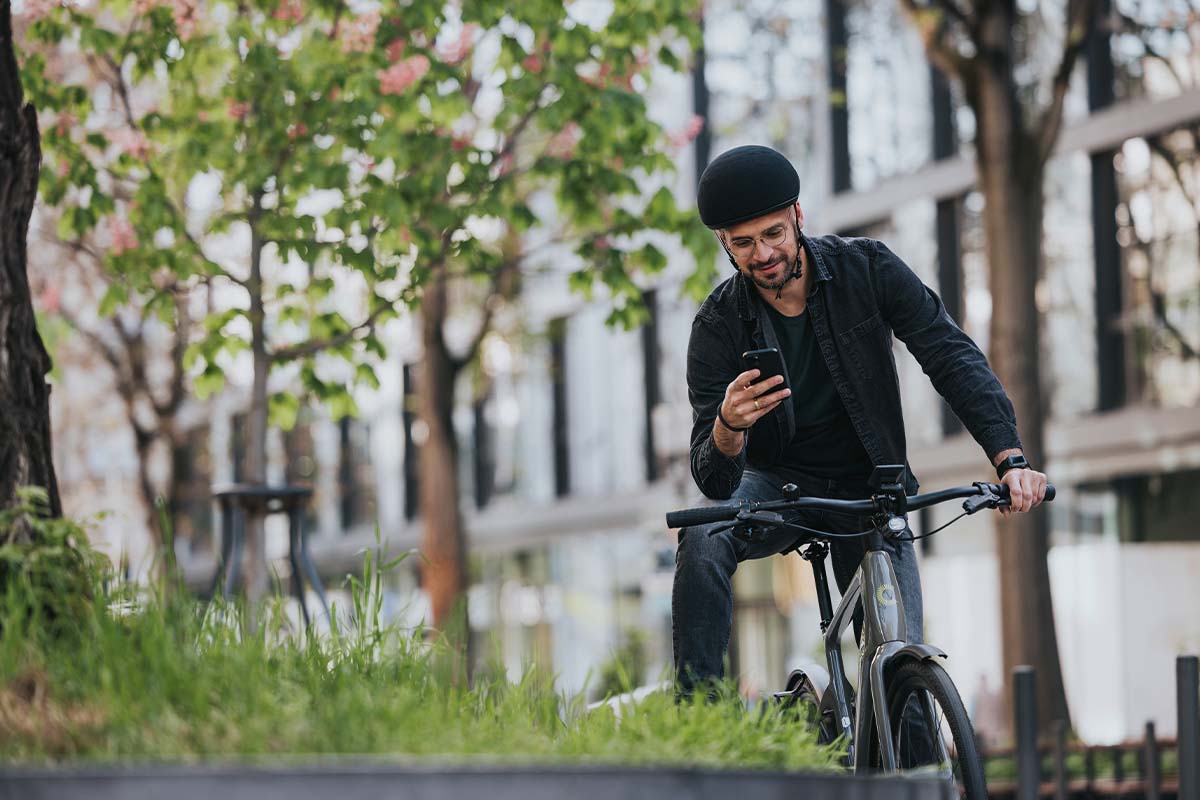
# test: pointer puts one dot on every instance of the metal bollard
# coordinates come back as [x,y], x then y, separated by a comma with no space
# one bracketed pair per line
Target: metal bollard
[1151,769]
[1187,696]
[1060,759]
[1025,727]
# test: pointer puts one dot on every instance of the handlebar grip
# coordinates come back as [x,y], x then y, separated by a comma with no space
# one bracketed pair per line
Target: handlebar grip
[1050,492]
[701,516]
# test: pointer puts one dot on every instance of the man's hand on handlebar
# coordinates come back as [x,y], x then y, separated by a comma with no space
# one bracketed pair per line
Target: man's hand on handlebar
[1026,489]
[746,402]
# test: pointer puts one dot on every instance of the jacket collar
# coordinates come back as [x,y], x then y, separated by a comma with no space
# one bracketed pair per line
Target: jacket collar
[745,291]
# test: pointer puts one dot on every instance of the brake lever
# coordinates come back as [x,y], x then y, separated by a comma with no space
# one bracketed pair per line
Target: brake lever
[988,499]
[744,527]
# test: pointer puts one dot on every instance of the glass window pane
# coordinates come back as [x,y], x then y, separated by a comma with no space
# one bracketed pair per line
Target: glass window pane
[1155,49]
[1159,186]
[1066,295]
[887,92]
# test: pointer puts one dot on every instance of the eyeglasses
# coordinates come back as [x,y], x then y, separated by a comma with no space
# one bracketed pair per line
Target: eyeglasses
[771,237]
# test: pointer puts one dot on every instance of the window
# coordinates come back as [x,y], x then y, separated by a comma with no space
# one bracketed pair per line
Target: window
[1154,49]
[411,455]
[356,477]
[888,93]
[192,511]
[1066,294]
[650,376]
[763,66]
[559,422]
[1159,188]
[1140,508]
[300,467]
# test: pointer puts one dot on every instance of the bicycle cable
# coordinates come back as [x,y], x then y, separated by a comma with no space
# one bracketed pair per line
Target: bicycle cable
[935,530]
[827,534]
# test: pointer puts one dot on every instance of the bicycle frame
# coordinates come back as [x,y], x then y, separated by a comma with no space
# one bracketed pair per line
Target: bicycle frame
[884,637]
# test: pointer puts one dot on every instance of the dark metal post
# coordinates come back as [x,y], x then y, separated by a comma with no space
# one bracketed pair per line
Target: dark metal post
[839,111]
[1151,768]
[1060,759]
[1187,688]
[1025,728]
[1089,771]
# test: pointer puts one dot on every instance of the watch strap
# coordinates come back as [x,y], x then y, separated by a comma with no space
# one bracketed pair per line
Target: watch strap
[1011,463]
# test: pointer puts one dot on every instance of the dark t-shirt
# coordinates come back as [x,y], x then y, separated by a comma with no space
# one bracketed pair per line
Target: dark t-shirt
[826,444]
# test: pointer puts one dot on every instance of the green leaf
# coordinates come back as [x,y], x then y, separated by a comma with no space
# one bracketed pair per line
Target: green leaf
[282,410]
[210,381]
[115,295]
[364,374]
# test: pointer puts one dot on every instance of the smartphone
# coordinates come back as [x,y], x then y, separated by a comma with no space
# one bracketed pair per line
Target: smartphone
[768,362]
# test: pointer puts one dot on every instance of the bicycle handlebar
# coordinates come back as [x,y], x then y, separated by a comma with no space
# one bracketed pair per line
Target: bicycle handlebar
[728,513]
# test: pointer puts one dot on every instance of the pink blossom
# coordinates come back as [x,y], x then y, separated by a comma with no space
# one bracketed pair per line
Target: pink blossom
[532,64]
[460,143]
[131,142]
[290,11]
[50,296]
[238,109]
[680,138]
[358,34]
[506,165]
[122,235]
[38,9]
[395,50]
[202,115]
[186,16]
[398,77]
[63,169]
[562,144]
[64,122]
[296,130]
[455,52]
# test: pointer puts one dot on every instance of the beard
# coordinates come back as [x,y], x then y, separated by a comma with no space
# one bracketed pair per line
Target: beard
[786,271]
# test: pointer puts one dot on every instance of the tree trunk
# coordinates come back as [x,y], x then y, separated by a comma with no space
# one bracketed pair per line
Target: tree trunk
[255,575]
[25,452]
[444,573]
[1011,175]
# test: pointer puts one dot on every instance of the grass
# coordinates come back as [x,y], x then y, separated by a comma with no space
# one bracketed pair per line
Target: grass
[120,675]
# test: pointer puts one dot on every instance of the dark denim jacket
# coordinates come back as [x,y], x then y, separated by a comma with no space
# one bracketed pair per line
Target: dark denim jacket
[862,295]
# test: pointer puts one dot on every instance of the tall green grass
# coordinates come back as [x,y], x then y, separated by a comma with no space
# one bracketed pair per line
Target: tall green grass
[122,673]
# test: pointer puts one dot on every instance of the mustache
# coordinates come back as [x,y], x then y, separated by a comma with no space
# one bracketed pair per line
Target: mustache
[767,264]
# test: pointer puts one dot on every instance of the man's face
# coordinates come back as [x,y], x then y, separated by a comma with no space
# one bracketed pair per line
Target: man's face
[765,248]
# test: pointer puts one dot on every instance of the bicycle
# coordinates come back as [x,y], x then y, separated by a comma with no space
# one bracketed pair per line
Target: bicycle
[902,693]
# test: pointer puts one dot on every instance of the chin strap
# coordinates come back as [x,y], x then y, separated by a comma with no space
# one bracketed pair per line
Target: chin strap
[797,269]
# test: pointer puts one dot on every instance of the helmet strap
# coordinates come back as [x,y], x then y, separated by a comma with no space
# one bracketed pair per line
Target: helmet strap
[797,266]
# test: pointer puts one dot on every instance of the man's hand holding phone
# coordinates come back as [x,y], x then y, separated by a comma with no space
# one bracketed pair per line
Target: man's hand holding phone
[748,399]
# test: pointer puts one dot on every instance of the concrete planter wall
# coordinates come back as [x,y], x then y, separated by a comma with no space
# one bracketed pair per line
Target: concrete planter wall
[374,781]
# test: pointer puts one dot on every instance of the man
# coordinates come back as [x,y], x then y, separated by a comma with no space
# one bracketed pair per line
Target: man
[831,306]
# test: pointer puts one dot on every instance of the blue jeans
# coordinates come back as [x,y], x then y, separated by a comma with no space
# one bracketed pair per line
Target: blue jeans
[702,598]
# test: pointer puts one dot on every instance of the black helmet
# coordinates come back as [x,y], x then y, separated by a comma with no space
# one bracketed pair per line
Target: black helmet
[744,183]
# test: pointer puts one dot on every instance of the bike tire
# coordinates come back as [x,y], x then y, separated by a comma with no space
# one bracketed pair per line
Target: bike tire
[907,679]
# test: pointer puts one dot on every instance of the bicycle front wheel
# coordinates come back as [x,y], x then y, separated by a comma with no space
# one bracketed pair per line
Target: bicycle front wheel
[931,731]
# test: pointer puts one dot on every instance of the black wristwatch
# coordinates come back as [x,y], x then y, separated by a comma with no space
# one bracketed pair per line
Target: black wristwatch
[1012,462]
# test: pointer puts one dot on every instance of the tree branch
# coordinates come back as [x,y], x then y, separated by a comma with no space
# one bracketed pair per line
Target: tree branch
[933,25]
[1050,123]
[314,346]
[501,287]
